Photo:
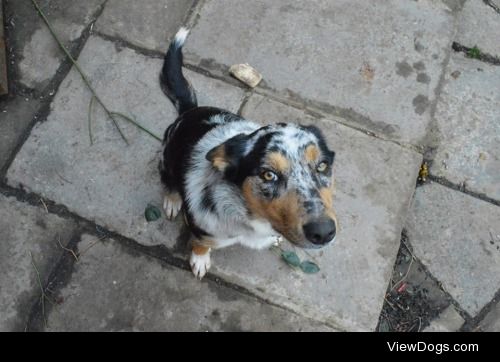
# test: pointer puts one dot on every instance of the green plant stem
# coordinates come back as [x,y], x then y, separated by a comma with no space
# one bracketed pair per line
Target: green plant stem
[128,119]
[110,114]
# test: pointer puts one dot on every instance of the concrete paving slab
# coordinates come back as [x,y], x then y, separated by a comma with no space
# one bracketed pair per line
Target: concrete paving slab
[375,181]
[109,182]
[16,115]
[329,53]
[491,322]
[138,293]
[25,229]
[479,25]
[457,237]
[448,321]
[148,23]
[37,55]
[468,119]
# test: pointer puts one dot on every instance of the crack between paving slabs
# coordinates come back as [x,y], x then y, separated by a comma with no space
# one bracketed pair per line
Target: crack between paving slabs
[193,15]
[448,299]
[159,252]
[49,92]
[463,189]
[262,90]
[58,277]
[475,53]
[491,4]
[474,324]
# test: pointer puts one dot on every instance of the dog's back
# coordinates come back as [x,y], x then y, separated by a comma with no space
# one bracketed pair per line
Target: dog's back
[189,128]
[239,182]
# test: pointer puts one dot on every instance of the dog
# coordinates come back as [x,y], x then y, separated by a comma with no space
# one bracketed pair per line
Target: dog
[238,182]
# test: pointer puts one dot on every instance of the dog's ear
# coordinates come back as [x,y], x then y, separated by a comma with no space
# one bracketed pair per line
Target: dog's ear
[228,153]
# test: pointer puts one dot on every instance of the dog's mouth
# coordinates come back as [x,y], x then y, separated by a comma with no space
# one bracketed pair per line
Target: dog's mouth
[314,235]
[297,239]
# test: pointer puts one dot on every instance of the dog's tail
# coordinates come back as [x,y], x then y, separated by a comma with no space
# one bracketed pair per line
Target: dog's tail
[172,81]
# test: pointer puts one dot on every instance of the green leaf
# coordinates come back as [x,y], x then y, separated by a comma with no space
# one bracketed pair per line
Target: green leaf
[309,267]
[152,213]
[290,258]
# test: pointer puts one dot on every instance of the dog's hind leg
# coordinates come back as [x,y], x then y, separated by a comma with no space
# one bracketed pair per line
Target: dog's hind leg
[200,258]
[172,204]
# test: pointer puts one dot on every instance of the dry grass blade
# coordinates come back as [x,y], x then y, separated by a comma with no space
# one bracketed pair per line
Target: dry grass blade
[128,119]
[64,248]
[407,271]
[44,205]
[90,118]
[95,96]
[80,254]
[44,295]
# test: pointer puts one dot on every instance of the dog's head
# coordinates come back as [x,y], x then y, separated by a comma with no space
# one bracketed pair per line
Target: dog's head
[285,174]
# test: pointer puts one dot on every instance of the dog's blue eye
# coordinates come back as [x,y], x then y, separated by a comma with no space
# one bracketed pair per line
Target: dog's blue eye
[269,176]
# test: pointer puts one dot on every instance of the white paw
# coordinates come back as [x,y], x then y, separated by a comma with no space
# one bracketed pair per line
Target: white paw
[172,204]
[200,264]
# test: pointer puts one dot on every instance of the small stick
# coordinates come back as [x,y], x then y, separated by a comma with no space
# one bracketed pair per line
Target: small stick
[69,250]
[43,296]
[91,245]
[44,205]
[404,277]
[77,67]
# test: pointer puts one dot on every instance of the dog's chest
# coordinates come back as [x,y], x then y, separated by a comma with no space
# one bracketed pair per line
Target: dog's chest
[257,234]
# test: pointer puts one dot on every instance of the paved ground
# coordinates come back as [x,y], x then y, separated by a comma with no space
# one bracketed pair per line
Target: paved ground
[382,80]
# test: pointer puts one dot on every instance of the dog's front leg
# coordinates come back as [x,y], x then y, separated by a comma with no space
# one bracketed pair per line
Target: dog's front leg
[200,259]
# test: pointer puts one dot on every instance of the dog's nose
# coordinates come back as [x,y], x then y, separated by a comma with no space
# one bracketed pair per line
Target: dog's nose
[320,231]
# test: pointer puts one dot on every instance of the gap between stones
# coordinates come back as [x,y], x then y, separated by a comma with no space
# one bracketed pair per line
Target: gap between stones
[61,270]
[61,273]
[491,4]
[297,102]
[49,92]
[477,54]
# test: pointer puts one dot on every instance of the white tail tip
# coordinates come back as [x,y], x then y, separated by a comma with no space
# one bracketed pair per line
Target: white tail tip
[181,36]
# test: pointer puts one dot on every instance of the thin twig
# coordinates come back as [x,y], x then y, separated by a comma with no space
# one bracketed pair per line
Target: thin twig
[110,114]
[128,119]
[390,304]
[44,205]
[43,296]
[91,245]
[90,119]
[62,178]
[69,250]
[404,277]
[77,67]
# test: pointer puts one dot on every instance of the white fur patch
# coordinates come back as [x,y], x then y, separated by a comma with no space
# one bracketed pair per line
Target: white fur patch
[200,264]
[181,36]
[172,205]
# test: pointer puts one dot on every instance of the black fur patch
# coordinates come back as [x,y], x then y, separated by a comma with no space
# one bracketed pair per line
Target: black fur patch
[329,156]
[250,164]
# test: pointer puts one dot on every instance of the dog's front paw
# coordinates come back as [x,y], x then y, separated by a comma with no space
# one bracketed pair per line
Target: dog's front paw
[200,263]
[172,204]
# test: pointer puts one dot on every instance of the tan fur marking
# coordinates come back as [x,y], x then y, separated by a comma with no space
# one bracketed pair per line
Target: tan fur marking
[326,194]
[218,158]
[200,249]
[311,153]
[278,162]
[284,213]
